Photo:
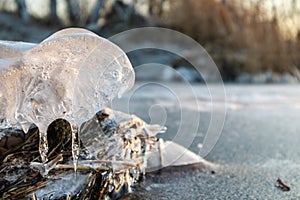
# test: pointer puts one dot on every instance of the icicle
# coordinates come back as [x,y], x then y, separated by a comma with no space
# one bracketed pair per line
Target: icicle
[25,126]
[75,145]
[43,145]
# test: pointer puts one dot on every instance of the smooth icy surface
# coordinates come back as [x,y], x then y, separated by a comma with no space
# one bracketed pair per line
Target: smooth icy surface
[259,143]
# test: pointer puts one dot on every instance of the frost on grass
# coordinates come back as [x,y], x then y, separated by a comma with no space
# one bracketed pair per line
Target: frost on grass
[72,74]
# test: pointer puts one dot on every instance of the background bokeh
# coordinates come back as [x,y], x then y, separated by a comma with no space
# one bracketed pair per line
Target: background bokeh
[250,41]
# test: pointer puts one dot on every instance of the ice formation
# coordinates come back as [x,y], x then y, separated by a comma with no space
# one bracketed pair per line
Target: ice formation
[72,74]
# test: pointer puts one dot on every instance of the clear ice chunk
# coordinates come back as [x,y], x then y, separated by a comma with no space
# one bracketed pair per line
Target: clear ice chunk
[72,74]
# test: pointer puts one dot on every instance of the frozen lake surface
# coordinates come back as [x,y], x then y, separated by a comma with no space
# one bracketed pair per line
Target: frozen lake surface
[258,144]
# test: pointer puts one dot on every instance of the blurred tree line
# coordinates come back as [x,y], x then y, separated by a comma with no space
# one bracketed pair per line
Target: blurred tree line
[83,12]
[252,36]
[243,36]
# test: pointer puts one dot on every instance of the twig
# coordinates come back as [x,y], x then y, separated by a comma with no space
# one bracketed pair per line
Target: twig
[79,167]
[282,185]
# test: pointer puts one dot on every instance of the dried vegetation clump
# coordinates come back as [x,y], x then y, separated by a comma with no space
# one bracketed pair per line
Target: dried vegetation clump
[240,38]
[112,160]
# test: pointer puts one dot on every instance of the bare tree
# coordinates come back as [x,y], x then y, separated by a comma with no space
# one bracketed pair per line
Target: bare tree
[73,12]
[22,10]
[156,7]
[53,12]
[94,16]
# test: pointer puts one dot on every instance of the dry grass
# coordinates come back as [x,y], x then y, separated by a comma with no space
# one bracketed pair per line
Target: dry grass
[239,38]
